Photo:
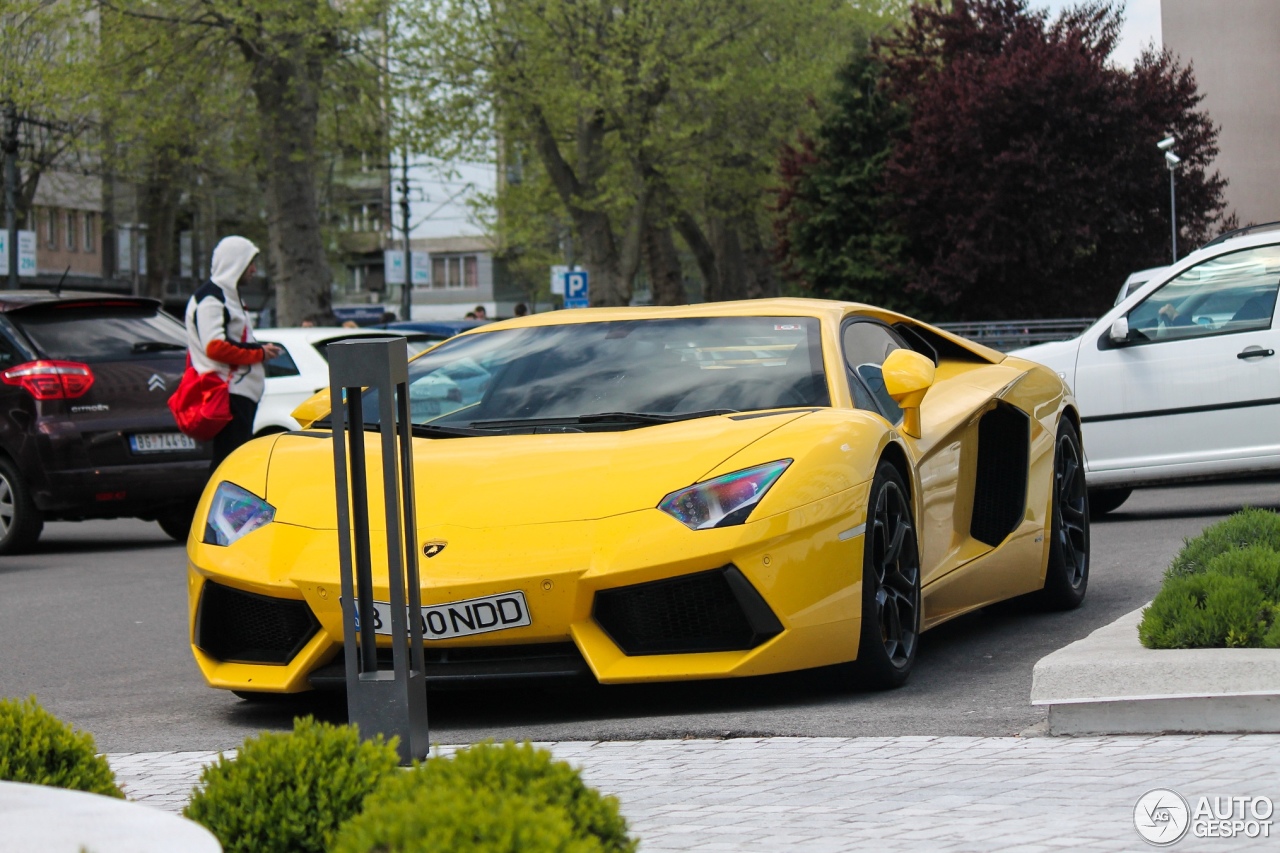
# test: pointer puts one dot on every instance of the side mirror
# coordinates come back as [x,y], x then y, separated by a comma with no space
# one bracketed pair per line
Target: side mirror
[313,408]
[908,376]
[1120,331]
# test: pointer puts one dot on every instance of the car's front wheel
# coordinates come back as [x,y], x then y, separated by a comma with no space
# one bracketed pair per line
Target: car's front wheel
[20,521]
[890,584]
[1067,575]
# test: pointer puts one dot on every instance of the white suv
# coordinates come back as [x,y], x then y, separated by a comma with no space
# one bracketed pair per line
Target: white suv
[1180,380]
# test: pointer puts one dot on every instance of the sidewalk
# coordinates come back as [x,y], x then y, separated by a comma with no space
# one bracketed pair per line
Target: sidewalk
[885,794]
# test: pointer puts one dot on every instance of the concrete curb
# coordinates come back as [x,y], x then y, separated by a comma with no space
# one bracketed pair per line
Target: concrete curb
[1108,683]
[54,820]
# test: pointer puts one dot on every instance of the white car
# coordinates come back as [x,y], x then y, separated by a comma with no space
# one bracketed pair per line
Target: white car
[1136,280]
[302,369]
[1180,380]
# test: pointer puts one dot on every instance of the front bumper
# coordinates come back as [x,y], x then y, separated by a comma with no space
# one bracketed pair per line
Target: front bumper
[802,576]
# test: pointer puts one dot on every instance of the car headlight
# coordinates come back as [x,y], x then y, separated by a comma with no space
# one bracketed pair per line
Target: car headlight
[235,513]
[725,500]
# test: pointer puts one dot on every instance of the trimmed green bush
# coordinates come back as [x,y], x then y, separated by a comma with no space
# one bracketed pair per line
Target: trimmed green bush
[1249,526]
[1208,610]
[290,791]
[38,748]
[462,820]
[530,774]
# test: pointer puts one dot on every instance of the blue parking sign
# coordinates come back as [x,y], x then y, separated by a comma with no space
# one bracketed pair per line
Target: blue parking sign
[575,289]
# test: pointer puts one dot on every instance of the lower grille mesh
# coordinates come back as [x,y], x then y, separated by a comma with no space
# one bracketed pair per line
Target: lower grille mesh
[711,611]
[233,625]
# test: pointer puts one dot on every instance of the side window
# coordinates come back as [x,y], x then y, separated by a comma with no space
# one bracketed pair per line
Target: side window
[281,365]
[9,355]
[1231,293]
[866,345]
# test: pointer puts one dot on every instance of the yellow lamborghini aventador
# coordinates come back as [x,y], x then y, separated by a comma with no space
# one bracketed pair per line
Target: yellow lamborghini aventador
[652,494]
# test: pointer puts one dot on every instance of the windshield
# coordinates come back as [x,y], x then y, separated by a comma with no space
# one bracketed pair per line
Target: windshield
[634,372]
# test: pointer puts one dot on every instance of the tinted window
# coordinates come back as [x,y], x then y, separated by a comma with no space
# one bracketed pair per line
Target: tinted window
[1230,293]
[101,333]
[281,365]
[866,346]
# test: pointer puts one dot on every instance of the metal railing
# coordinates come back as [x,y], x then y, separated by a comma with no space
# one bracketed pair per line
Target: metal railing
[1006,335]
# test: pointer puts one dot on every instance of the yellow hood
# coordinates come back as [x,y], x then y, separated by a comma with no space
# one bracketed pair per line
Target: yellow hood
[520,479]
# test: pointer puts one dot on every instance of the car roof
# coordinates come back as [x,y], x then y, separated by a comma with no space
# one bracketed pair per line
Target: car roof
[313,334]
[15,300]
[828,311]
[434,327]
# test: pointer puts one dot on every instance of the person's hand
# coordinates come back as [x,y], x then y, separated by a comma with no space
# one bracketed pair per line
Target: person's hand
[1167,314]
[272,350]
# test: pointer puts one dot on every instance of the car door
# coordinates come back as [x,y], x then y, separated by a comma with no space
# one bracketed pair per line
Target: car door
[1195,389]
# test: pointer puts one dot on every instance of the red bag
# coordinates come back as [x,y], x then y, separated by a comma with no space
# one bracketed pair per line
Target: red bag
[201,404]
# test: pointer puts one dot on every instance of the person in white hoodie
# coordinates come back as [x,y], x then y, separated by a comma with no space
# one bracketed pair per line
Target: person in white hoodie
[219,338]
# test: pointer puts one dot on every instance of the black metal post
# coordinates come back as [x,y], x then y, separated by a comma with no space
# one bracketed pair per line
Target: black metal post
[388,702]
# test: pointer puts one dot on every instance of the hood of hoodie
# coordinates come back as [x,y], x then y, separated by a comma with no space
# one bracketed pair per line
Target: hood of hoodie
[231,258]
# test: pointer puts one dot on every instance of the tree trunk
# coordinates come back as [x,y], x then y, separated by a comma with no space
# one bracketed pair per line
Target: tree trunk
[666,279]
[287,91]
[762,276]
[731,264]
[703,253]
[160,196]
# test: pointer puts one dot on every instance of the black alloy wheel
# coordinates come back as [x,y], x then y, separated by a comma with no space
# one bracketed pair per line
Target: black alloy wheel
[20,521]
[890,584]
[1067,575]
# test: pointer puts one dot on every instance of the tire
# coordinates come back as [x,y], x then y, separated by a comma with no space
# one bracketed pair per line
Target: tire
[1103,501]
[1067,575]
[20,522]
[177,523]
[890,584]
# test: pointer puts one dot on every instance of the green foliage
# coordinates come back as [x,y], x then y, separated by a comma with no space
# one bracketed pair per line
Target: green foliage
[1249,526]
[461,820]
[524,780]
[1205,611]
[39,749]
[290,791]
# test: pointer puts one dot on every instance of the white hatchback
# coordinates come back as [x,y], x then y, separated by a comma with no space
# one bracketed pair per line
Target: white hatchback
[302,369]
[1180,380]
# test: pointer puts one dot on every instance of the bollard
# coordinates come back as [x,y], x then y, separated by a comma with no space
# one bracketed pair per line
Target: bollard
[387,702]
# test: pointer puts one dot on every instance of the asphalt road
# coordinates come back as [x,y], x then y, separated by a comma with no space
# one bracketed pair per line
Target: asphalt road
[94,624]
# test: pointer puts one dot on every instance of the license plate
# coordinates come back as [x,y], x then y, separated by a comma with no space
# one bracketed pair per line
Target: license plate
[161,442]
[461,618]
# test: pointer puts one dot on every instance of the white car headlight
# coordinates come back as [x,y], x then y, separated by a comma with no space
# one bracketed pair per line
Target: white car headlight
[725,500]
[234,514]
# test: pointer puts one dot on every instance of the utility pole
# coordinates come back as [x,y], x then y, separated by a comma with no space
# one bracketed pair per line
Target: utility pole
[11,190]
[406,293]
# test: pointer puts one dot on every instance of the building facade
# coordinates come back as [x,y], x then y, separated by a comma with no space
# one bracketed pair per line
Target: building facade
[1233,49]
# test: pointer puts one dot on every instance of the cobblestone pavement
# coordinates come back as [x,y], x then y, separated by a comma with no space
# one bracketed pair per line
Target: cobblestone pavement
[885,794]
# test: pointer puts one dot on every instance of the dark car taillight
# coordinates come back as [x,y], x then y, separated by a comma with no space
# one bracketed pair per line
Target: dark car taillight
[51,380]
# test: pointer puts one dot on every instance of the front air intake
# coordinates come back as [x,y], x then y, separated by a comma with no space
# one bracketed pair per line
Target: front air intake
[244,627]
[715,611]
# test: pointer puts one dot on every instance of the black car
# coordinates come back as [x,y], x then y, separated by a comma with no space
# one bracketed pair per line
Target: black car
[85,429]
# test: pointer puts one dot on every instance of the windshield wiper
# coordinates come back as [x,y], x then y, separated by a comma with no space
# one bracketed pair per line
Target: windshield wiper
[601,418]
[157,346]
[437,431]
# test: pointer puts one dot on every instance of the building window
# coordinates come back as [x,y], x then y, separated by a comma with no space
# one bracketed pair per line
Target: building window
[470,274]
[455,271]
[50,228]
[90,243]
[437,271]
[69,226]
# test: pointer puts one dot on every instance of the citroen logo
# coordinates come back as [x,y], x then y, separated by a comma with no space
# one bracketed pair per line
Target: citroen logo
[155,383]
[433,547]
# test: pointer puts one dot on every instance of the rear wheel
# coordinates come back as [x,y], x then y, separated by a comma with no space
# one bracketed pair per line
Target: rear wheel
[177,522]
[1103,501]
[1067,575]
[20,521]
[890,584]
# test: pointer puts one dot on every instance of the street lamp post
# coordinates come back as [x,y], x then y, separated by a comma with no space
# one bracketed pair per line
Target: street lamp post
[1171,160]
